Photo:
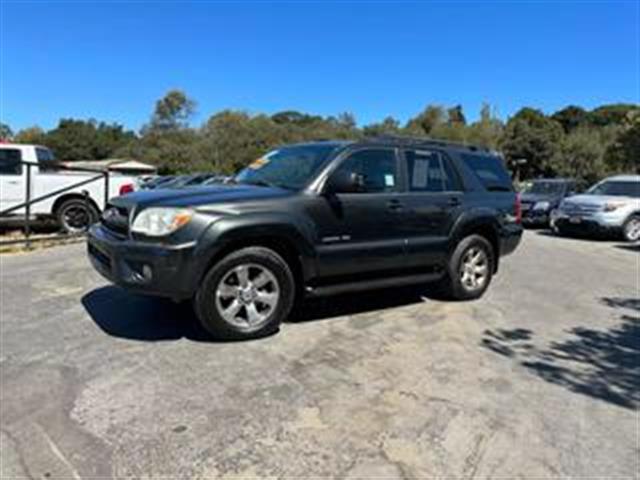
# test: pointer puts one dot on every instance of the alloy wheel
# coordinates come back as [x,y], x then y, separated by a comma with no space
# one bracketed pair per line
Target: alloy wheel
[247,295]
[474,269]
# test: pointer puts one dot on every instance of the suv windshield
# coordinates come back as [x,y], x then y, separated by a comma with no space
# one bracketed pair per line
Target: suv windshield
[545,188]
[289,167]
[618,188]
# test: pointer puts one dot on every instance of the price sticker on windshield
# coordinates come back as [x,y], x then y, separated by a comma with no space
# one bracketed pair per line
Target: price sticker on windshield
[259,163]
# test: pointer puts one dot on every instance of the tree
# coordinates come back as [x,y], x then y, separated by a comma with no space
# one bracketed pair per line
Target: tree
[614,114]
[31,135]
[86,139]
[172,111]
[455,116]
[570,117]
[531,136]
[5,131]
[581,154]
[425,122]
[623,154]
[389,126]
[487,131]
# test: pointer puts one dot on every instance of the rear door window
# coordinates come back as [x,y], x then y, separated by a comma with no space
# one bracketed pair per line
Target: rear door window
[490,170]
[430,171]
[10,161]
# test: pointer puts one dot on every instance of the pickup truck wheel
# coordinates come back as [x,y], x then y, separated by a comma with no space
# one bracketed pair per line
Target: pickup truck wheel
[245,295]
[75,215]
[631,229]
[470,269]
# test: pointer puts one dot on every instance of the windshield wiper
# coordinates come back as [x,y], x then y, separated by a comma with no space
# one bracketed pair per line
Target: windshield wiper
[264,183]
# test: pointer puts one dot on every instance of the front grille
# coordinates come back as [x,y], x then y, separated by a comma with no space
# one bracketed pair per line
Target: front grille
[584,209]
[116,219]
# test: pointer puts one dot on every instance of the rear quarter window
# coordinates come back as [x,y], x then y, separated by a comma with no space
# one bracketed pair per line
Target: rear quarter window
[10,161]
[490,170]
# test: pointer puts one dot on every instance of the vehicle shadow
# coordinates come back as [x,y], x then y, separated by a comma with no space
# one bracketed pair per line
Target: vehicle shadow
[584,237]
[121,314]
[603,364]
[135,317]
[632,247]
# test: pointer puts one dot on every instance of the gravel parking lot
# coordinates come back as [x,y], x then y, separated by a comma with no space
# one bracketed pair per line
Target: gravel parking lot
[541,378]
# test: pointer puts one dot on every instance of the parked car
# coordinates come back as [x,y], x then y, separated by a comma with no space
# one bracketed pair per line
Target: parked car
[612,206]
[157,182]
[69,206]
[542,196]
[315,219]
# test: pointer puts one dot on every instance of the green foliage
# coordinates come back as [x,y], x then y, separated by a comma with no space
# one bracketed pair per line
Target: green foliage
[623,154]
[172,111]
[571,117]
[571,142]
[79,139]
[581,153]
[531,137]
[614,114]
[5,131]
[389,126]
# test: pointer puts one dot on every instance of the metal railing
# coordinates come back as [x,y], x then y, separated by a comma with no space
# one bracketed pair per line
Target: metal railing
[28,201]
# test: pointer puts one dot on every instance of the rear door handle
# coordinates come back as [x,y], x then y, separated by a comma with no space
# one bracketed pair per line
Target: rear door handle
[395,205]
[454,202]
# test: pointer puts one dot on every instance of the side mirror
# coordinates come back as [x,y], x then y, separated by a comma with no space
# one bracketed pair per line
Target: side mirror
[344,181]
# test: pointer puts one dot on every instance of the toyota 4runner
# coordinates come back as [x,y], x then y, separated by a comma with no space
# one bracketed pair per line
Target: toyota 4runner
[314,219]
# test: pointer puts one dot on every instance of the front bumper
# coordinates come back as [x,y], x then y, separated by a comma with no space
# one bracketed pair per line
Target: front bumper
[152,269]
[533,218]
[594,223]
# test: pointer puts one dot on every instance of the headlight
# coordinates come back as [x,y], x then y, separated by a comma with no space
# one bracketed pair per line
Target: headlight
[541,206]
[157,222]
[610,207]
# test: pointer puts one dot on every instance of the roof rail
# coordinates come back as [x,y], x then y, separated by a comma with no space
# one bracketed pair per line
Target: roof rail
[409,140]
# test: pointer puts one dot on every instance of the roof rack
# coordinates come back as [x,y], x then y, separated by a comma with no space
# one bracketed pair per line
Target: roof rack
[408,140]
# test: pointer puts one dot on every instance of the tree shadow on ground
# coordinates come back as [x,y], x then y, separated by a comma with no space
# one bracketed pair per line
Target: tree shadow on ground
[135,317]
[603,364]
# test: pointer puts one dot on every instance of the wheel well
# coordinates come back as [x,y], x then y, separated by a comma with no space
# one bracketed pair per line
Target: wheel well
[71,196]
[279,244]
[489,232]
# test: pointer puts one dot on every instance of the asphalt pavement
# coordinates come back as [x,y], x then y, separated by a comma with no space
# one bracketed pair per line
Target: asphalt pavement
[539,379]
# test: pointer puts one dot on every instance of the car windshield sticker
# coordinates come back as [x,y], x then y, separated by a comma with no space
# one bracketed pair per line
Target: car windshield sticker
[259,163]
[389,181]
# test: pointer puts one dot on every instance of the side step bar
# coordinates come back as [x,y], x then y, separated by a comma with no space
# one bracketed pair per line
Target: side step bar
[338,288]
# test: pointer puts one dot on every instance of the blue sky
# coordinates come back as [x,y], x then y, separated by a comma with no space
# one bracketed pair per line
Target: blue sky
[112,60]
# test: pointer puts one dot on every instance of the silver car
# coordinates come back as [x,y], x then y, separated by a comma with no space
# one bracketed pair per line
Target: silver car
[610,206]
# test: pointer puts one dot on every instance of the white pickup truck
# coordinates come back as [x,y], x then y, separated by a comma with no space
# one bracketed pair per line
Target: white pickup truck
[74,200]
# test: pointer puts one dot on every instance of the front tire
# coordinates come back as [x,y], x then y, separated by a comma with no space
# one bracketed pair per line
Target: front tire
[76,215]
[470,269]
[631,229]
[245,295]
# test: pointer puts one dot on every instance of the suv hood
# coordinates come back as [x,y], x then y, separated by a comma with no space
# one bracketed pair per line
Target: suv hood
[539,197]
[598,200]
[197,196]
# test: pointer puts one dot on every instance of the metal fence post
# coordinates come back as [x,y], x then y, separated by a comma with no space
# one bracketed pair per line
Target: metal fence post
[27,210]
[106,189]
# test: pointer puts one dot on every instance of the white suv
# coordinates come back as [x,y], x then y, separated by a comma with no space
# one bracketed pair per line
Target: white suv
[610,206]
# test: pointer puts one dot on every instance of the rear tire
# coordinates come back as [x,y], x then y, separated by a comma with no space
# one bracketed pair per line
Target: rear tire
[245,295]
[631,229]
[76,215]
[470,269]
